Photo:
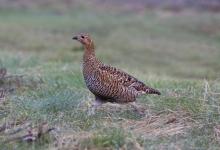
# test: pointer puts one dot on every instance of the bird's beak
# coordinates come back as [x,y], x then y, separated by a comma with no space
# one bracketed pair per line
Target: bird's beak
[75,38]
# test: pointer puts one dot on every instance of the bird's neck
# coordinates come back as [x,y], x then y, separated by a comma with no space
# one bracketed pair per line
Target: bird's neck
[89,53]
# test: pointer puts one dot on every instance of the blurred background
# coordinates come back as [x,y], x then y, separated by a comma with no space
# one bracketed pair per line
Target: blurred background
[172,38]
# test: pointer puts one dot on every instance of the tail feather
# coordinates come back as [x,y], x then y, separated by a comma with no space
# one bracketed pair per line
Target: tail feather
[142,88]
[152,91]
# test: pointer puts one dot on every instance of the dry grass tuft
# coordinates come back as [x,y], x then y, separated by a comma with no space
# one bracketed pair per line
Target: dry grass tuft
[23,131]
[160,125]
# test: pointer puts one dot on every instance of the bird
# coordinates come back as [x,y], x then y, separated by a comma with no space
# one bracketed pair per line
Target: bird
[107,83]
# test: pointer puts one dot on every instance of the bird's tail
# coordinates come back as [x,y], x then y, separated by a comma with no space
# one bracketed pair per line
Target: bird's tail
[152,91]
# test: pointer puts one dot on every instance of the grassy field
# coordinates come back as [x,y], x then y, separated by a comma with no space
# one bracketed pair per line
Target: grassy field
[46,99]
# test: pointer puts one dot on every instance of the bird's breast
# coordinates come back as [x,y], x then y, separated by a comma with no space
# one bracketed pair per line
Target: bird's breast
[91,76]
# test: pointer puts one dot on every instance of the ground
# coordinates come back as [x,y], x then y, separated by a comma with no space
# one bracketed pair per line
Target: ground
[45,102]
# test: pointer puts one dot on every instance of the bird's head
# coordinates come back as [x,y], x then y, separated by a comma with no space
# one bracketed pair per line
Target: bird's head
[84,39]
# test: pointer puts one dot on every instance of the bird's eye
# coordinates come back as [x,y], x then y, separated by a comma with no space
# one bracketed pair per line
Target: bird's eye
[82,37]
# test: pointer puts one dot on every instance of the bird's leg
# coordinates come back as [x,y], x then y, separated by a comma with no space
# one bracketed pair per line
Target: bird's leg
[98,102]
[138,108]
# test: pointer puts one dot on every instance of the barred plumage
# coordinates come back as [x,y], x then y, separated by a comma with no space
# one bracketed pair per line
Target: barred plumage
[107,83]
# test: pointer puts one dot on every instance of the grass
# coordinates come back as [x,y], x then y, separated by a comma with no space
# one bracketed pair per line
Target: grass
[180,58]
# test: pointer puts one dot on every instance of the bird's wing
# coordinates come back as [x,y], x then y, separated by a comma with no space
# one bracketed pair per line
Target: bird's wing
[115,75]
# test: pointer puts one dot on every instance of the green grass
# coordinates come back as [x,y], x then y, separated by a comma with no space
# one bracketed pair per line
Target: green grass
[177,54]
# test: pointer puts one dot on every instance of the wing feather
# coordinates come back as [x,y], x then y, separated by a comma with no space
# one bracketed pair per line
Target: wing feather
[126,80]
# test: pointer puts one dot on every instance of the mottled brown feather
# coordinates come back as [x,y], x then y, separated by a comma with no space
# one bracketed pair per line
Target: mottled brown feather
[127,80]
